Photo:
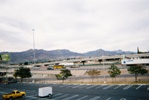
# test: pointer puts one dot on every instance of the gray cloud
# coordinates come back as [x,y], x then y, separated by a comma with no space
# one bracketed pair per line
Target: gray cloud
[77,25]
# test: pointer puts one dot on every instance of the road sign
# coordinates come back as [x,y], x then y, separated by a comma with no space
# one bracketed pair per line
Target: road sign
[5,57]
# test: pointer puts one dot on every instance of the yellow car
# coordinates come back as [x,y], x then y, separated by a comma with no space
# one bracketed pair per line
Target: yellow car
[14,94]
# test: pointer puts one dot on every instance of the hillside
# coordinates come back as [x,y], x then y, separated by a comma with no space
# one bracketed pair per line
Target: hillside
[43,55]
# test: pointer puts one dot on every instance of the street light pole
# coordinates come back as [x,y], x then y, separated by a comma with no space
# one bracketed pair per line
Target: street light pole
[104,70]
[34,45]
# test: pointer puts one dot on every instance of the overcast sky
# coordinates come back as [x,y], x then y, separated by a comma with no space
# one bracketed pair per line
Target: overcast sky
[77,25]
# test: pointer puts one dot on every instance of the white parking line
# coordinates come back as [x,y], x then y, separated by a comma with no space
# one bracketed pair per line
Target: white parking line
[57,94]
[91,87]
[76,86]
[138,87]
[148,88]
[123,99]
[69,98]
[61,96]
[108,98]
[99,86]
[41,99]
[31,97]
[95,98]
[2,92]
[83,86]
[64,86]
[70,86]
[82,97]
[127,87]
[117,87]
[107,87]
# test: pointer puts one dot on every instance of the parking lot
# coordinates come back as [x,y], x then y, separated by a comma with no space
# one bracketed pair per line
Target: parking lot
[82,91]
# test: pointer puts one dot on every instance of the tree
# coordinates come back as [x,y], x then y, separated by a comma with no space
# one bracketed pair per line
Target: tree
[64,74]
[83,62]
[137,69]
[2,73]
[114,71]
[22,73]
[0,57]
[25,63]
[93,73]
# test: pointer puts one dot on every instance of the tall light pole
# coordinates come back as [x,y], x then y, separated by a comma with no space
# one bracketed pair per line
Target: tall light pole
[102,57]
[34,45]
[104,70]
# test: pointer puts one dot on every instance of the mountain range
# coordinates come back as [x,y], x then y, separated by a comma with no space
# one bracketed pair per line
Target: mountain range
[44,55]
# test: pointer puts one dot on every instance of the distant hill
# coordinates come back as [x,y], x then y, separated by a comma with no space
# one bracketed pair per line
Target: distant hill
[101,52]
[43,55]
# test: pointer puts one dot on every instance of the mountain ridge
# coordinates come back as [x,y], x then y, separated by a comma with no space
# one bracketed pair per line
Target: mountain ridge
[42,55]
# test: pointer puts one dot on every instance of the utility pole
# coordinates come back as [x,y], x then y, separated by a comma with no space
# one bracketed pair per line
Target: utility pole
[33,47]
[104,70]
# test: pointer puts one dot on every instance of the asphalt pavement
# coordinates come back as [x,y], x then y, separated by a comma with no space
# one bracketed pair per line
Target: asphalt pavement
[81,91]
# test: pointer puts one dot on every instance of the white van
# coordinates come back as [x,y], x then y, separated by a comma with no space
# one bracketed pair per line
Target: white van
[45,91]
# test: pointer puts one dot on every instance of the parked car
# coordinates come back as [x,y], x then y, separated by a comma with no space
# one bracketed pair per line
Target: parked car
[50,68]
[14,94]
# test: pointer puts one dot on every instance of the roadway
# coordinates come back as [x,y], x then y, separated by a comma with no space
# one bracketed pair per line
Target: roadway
[82,91]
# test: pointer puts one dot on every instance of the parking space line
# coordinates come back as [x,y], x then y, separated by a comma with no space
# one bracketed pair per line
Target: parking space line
[91,87]
[57,94]
[43,99]
[69,86]
[138,87]
[148,88]
[69,98]
[2,92]
[61,96]
[76,86]
[127,87]
[31,97]
[64,86]
[108,98]
[95,98]
[123,99]
[99,86]
[117,86]
[83,86]
[107,87]
[82,97]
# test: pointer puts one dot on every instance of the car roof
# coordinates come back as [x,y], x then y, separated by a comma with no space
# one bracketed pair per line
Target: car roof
[15,90]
